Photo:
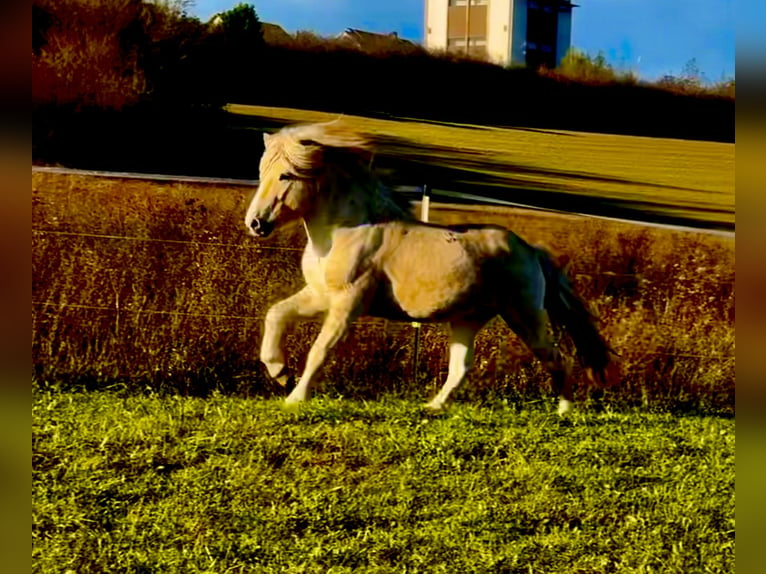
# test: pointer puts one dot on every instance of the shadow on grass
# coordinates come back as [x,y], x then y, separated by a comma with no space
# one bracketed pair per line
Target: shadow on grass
[481,165]
[385,116]
[474,173]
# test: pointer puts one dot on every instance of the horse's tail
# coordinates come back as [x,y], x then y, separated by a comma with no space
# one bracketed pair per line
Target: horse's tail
[568,310]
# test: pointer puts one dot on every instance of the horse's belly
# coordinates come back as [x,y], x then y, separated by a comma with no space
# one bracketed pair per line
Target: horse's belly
[436,283]
[387,305]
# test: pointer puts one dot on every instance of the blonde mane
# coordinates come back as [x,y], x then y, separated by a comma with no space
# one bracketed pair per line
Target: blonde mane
[302,145]
[335,146]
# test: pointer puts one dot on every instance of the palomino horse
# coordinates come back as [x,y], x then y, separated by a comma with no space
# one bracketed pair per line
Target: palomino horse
[367,255]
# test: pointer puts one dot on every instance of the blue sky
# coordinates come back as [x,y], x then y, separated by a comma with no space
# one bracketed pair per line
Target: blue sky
[650,37]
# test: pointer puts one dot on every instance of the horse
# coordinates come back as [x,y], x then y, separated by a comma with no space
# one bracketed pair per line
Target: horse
[367,254]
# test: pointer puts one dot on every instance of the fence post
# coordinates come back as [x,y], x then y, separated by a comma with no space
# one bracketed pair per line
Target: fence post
[425,203]
[424,206]
[117,313]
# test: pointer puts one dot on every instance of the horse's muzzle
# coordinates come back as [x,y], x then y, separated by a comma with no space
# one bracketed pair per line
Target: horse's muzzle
[261,227]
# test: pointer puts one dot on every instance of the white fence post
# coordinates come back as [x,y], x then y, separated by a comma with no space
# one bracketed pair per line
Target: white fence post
[425,203]
[424,206]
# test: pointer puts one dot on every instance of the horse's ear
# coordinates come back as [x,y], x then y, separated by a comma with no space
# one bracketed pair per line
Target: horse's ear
[266,138]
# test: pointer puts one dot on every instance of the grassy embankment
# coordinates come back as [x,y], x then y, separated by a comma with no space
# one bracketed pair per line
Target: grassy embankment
[624,176]
[174,298]
[224,484]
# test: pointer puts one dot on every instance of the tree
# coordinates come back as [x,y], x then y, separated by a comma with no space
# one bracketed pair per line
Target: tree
[578,65]
[691,73]
[241,29]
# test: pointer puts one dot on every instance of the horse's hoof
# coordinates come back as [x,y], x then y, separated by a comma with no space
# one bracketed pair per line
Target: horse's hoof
[295,399]
[291,405]
[434,409]
[282,380]
[286,381]
[565,407]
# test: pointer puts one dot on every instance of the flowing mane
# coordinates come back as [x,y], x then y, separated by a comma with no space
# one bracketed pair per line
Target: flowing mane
[349,153]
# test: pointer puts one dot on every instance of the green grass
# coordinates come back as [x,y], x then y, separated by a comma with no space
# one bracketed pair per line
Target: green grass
[690,180]
[172,484]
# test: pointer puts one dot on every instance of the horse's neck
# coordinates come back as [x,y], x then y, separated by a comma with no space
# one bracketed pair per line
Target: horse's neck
[319,236]
[343,206]
[321,225]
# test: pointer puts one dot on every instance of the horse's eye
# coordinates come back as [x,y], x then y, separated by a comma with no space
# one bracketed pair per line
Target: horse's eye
[286,177]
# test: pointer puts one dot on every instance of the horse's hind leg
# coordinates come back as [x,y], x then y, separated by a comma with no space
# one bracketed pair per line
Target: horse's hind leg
[304,303]
[461,352]
[532,327]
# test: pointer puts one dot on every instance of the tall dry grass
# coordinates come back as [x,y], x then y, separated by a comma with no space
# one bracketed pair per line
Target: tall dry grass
[583,68]
[116,54]
[156,286]
[84,55]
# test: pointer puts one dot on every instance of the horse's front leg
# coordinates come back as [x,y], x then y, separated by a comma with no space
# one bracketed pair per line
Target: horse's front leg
[303,304]
[341,313]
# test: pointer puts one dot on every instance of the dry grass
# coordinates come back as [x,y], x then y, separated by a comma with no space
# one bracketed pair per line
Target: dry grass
[84,60]
[579,67]
[156,286]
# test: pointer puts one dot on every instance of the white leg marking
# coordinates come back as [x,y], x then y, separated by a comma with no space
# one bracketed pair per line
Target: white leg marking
[461,352]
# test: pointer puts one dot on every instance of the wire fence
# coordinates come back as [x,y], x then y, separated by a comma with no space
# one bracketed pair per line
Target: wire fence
[365,320]
[413,192]
[168,241]
[424,193]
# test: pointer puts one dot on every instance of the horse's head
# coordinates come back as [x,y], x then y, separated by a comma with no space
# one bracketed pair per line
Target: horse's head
[293,170]
[285,189]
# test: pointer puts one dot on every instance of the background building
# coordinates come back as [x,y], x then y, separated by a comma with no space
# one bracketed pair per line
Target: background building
[507,32]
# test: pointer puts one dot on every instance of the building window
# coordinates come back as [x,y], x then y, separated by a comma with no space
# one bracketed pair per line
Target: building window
[472,42]
[542,32]
[463,2]
[477,46]
[547,7]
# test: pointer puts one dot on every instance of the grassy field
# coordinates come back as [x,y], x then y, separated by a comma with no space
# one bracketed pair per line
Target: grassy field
[128,483]
[635,177]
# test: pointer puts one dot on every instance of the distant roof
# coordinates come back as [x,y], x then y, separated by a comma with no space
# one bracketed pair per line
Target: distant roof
[363,39]
[273,34]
